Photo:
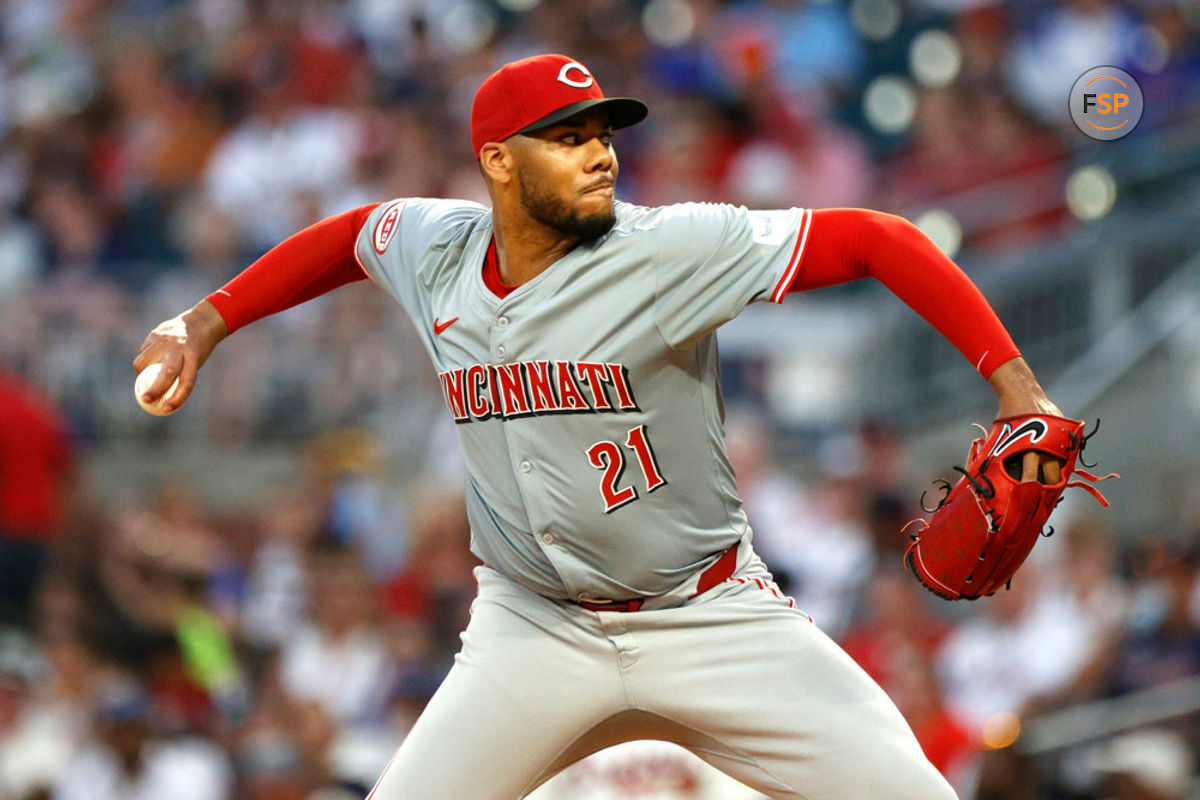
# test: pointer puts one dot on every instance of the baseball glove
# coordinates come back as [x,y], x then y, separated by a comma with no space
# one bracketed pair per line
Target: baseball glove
[986,524]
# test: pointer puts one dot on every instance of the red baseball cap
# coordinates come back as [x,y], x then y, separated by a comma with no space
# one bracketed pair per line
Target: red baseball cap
[534,92]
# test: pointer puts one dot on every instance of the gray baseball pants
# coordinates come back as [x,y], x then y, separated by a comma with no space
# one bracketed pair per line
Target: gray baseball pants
[737,675]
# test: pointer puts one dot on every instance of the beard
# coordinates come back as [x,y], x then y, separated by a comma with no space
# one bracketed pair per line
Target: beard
[552,211]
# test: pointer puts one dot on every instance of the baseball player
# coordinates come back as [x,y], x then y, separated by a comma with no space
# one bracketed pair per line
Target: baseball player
[573,336]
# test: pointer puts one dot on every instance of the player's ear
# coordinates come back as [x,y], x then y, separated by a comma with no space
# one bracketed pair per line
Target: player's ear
[496,161]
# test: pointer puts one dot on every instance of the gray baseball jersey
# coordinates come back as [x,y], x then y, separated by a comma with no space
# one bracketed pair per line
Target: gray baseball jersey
[588,400]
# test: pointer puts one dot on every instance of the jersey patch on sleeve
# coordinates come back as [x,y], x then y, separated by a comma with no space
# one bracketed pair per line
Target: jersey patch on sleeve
[769,227]
[387,226]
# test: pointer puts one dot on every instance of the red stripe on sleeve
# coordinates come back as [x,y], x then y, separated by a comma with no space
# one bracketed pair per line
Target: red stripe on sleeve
[846,244]
[314,261]
[789,274]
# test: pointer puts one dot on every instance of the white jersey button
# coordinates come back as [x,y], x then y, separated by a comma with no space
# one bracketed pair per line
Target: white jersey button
[547,537]
[526,466]
[501,351]
[502,322]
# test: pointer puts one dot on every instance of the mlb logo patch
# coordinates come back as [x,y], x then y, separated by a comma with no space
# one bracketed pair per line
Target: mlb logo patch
[767,227]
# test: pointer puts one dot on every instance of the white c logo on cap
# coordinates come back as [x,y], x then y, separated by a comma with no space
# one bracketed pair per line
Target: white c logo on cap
[566,69]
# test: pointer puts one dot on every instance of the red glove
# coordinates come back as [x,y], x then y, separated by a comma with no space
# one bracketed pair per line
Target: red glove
[985,526]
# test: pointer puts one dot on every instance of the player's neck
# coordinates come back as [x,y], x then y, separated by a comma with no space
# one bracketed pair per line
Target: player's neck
[524,250]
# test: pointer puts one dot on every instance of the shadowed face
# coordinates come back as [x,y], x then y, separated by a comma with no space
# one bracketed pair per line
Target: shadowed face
[566,174]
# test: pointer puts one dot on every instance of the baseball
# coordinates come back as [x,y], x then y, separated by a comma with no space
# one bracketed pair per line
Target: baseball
[144,381]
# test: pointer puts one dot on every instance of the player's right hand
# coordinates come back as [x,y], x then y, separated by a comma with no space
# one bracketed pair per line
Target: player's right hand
[181,345]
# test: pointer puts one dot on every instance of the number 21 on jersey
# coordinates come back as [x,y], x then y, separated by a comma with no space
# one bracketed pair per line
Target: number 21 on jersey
[610,458]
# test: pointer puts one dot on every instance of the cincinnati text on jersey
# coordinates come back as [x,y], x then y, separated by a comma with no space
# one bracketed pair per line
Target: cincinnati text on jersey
[525,388]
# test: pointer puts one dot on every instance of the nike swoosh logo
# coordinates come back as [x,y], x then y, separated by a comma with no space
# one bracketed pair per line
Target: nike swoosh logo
[439,327]
[1035,429]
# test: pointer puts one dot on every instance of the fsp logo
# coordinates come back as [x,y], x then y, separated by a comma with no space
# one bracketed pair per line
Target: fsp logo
[1106,103]
[564,75]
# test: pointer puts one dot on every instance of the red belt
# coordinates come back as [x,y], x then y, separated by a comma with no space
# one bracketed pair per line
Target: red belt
[720,571]
[628,605]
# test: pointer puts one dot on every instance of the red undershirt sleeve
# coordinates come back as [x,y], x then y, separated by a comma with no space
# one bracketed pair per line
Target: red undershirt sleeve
[314,261]
[846,244]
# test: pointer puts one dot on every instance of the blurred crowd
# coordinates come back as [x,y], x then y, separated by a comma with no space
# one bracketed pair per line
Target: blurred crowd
[168,646]
[164,650]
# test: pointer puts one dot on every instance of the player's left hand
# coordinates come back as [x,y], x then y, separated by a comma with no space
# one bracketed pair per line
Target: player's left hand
[1018,393]
[985,525]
